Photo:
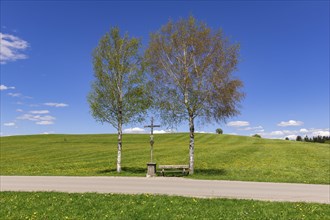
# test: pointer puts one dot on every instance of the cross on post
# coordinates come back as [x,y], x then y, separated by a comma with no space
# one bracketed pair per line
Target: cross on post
[151,126]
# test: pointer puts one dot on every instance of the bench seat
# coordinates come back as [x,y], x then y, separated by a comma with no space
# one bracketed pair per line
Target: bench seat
[174,168]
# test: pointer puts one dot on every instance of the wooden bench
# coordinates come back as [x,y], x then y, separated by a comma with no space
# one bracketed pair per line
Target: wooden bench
[174,168]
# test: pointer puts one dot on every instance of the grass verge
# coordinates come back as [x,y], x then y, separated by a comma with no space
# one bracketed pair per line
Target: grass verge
[51,205]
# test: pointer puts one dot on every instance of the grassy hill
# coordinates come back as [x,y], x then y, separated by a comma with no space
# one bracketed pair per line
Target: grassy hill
[223,157]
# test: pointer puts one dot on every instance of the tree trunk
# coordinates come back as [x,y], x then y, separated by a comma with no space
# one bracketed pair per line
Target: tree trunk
[120,136]
[191,144]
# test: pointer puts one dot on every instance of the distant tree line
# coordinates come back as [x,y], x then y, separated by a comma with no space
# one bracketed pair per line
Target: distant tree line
[315,139]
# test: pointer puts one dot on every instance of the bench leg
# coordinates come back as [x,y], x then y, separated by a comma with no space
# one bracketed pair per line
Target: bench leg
[163,173]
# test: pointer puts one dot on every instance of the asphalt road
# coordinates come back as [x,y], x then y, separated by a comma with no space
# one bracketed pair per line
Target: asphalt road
[171,186]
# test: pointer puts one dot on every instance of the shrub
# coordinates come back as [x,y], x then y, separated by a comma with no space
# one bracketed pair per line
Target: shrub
[257,136]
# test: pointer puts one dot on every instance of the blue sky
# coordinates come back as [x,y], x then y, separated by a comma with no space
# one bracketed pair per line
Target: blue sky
[46,68]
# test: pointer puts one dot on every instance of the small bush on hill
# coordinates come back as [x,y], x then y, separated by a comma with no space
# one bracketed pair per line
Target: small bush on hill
[219,131]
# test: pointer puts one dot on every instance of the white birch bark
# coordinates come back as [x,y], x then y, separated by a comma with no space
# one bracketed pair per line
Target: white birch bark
[120,125]
[191,144]
[119,147]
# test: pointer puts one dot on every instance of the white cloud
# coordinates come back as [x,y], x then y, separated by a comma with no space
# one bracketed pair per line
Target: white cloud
[9,124]
[54,104]
[19,110]
[292,134]
[138,130]
[40,112]
[290,123]
[135,130]
[257,128]
[39,119]
[276,133]
[164,131]
[11,48]
[14,94]
[3,87]
[19,95]
[238,124]
[289,132]
[303,130]
[279,134]
[27,117]
[48,132]
[44,122]
[320,132]
[160,131]
[204,132]
[45,118]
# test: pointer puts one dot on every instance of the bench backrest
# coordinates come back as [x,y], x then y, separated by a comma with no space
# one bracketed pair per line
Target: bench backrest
[173,166]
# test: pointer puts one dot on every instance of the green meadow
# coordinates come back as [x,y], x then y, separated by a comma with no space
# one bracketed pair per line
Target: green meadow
[51,205]
[221,157]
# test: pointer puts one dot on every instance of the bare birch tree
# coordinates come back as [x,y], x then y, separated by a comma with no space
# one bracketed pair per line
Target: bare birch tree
[191,67]
[119,93]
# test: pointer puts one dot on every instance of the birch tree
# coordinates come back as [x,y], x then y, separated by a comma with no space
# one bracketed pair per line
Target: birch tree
[119,93]
[191,67]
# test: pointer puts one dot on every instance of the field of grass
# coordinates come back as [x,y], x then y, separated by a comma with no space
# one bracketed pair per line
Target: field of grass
[51,205]
[222,157]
